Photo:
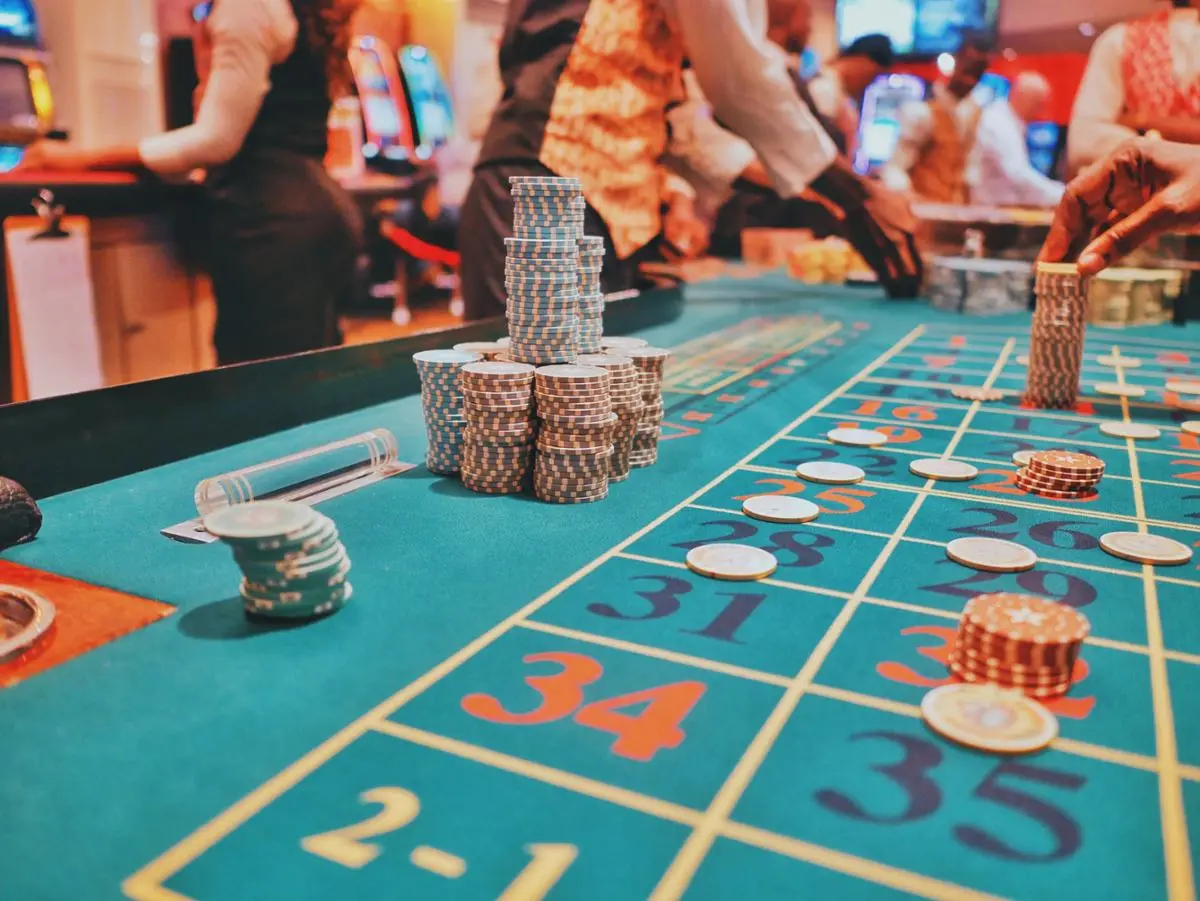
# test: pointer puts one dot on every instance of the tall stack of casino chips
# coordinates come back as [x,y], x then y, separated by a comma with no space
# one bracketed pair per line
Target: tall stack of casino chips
[1056,340]
[650,363]
[1019,641]
[625,390]
[575,439]
[591,295]
[1062,475]
[542,269]
[293,564]
[498,443]
[442,402]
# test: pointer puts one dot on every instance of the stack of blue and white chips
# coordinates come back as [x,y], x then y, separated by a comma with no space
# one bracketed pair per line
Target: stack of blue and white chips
[541,270]
[591,297]
[442,404]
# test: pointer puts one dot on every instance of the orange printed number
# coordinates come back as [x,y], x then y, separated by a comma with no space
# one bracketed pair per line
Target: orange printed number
[896,434]
[918,413]
[1007,483]
[846,498]
[561,692]
[1193,475]
[787,487]
[641,736]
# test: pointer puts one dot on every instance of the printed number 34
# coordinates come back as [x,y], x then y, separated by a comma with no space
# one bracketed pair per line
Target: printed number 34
[639,737]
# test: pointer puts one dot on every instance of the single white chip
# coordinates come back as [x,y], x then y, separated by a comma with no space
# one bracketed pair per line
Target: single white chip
[731,562]
[1191,427]
[1112,389]
[830,473]
[991,555]
[1022,360]
[971,392]
[1022,458]
[857,437]
[1130,430]
[1115,361]
[943,470]
[1145,548]
[780,508]
[989,718]
[1183,386]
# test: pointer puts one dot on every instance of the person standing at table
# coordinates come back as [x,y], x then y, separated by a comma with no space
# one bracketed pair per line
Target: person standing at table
[937,136]
[587,88]
[1005,176]
[1142,76]
[284,237]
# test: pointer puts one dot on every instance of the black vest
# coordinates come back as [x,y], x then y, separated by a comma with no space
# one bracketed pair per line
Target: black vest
[295,112]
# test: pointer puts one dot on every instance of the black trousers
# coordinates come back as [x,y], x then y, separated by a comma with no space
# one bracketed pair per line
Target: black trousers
[484,223]
[284,243]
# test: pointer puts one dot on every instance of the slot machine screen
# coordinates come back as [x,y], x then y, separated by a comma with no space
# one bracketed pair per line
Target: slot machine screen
[378,85]
[432,109]
[879,126]
[916,27]
[1043,140]
[18,23]
[17,107]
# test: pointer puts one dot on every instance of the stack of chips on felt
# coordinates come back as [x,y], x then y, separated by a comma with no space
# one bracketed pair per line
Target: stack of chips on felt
[591,296]
[542,269]
[1062,475]
[499,437]
[625,391]
[650,362]
[575,439]
[293,563]
[1056,340]
[1019,641]
[442,402]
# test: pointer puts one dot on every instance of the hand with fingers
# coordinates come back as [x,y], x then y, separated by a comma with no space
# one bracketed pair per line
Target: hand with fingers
[1144,189]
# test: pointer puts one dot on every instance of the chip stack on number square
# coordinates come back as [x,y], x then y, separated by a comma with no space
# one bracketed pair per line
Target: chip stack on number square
[1019,641]
[1062,475]
[1056,339]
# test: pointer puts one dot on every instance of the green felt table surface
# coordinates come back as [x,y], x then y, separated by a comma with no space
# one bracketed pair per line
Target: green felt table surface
[764,744]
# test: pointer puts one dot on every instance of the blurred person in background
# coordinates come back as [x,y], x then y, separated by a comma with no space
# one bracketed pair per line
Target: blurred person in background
[587,87]
[1004,175]
[284,237]
[938,135]
[1142,76]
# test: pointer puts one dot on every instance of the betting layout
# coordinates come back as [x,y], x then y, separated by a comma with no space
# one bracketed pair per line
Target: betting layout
[976,574]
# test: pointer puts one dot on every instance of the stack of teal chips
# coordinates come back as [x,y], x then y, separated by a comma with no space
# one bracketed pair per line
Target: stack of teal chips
[294,565]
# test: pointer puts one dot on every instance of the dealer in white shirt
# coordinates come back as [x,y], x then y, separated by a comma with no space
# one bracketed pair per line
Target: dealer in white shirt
[1003,174]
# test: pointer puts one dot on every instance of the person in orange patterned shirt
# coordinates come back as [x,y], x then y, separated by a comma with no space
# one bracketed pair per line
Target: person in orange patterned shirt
[587,85]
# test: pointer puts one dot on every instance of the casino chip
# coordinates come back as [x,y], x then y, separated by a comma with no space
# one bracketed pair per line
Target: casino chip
[442,404]
[1119,361]
[20,516]
[1114,389]
[25,621]
[1183,386]
[619,342]
[943,470]
[651,363]
[625,392]
[968,392]
[989,718]
[293,564]
[780,508]
[1056,338]
[1061,475]
[857,437]
[1142,547]
[1191,427]
[486,349]
[1135,430]
[1022,458]
[498,442]
[991,555]
[575,441]
[731,562]
[827,473]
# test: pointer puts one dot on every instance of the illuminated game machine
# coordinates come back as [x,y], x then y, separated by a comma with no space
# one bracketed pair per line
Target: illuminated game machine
[879,125]
[429,105]
[26,105]
[389,146]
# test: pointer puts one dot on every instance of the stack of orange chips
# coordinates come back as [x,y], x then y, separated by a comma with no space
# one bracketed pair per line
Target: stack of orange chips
[1019,641]
[1061,474]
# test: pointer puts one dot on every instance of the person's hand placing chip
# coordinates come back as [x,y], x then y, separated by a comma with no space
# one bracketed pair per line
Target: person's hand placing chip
[1144,189]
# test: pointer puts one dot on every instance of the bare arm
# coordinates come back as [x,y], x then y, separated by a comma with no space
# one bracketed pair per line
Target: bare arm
[1096,129]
